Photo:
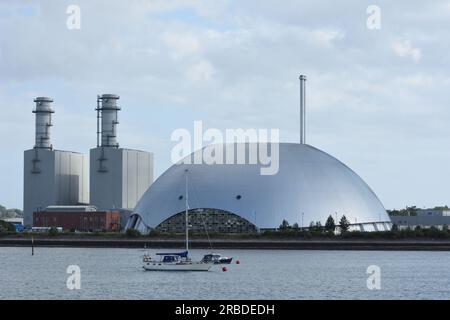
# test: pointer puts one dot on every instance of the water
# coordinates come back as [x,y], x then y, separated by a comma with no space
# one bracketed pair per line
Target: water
[262,274]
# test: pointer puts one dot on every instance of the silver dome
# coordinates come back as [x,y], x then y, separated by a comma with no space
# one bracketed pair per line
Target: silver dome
[310,185]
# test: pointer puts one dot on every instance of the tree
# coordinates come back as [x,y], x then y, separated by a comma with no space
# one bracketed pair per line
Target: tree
[344,224]
[330,226]
[6,227]
[408,211]
[295,226]
[53,231]
[284,225]
[394,228]
[318,226]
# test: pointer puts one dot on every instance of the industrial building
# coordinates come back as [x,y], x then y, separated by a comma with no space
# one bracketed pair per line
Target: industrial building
[118,176]
[16,222]
[112,179]
[309,186]
[51,177]
[424,218]
[77,218]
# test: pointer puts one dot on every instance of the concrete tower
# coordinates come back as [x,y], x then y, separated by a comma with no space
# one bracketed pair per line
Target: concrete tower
[51,177]
[118,176]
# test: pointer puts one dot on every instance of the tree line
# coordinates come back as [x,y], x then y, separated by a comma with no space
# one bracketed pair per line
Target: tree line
[330,225]
[10,213]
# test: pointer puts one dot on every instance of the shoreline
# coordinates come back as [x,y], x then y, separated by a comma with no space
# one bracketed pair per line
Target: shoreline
[249,244]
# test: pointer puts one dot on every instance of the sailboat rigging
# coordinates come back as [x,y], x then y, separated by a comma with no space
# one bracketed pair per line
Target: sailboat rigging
[177,261]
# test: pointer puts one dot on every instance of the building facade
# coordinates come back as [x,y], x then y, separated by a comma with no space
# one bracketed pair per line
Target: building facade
[309,186]
[207,220]
[77,218]
[424,218]
[51,177]
[119,177]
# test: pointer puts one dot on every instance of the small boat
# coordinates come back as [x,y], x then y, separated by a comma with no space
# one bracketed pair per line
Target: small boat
[176,261]
[216,258]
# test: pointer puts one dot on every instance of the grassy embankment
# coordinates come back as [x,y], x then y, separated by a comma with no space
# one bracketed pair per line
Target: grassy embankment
[266,235]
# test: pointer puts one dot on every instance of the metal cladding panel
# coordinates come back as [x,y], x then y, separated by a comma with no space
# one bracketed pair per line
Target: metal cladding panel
[84,196]
[421,220]
[106,165]
[52,177]
[308,181]
[119,177]
[130,178]
[71,178]
[137,176]
[39,182]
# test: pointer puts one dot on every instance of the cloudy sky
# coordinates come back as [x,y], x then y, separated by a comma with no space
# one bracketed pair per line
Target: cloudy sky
[377,99]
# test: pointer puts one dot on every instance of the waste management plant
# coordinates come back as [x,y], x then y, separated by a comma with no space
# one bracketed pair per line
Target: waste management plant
[309,186]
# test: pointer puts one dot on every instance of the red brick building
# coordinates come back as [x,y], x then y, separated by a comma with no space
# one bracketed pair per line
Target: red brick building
[80,218]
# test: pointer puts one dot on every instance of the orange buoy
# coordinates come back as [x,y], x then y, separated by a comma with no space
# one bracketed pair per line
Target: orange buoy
[224,269]
[238,262]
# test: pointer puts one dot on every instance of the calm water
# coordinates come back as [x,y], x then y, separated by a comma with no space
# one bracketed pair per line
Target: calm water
[117,274]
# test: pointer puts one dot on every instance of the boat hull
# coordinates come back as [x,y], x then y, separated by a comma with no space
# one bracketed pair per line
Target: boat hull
[158,266]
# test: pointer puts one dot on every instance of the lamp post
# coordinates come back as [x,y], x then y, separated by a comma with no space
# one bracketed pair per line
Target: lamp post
[302,221]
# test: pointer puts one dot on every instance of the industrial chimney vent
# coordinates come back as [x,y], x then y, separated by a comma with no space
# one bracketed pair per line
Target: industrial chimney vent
[302,109]
[107,110]
[43,111]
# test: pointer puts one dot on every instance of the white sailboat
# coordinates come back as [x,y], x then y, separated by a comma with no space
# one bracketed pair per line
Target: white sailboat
[177,261]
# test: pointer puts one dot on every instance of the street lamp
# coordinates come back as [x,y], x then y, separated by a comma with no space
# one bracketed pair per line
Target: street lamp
[302,220]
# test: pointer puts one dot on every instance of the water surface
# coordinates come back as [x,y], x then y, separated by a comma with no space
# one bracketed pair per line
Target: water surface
[262,274]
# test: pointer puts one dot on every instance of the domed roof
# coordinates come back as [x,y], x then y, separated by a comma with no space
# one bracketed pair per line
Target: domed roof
[309,183]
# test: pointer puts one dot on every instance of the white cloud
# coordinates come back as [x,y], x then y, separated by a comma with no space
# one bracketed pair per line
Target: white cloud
[326,38]
[235,64]
[200,71]
[403,48]
[181,44]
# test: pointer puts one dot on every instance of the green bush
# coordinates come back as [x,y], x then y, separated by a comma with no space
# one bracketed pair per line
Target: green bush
[6,227]
[53,232]
[132,233]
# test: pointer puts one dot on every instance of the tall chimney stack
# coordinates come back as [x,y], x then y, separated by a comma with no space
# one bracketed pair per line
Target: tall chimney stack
[43,113]
[302,109]
[107,112]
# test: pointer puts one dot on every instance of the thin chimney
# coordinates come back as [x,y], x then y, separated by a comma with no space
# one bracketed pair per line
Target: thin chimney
[302,109]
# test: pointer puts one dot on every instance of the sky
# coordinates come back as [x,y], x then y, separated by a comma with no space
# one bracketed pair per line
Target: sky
[377,99]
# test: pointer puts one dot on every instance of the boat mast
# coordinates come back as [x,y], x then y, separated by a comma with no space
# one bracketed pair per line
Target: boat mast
[186,212]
